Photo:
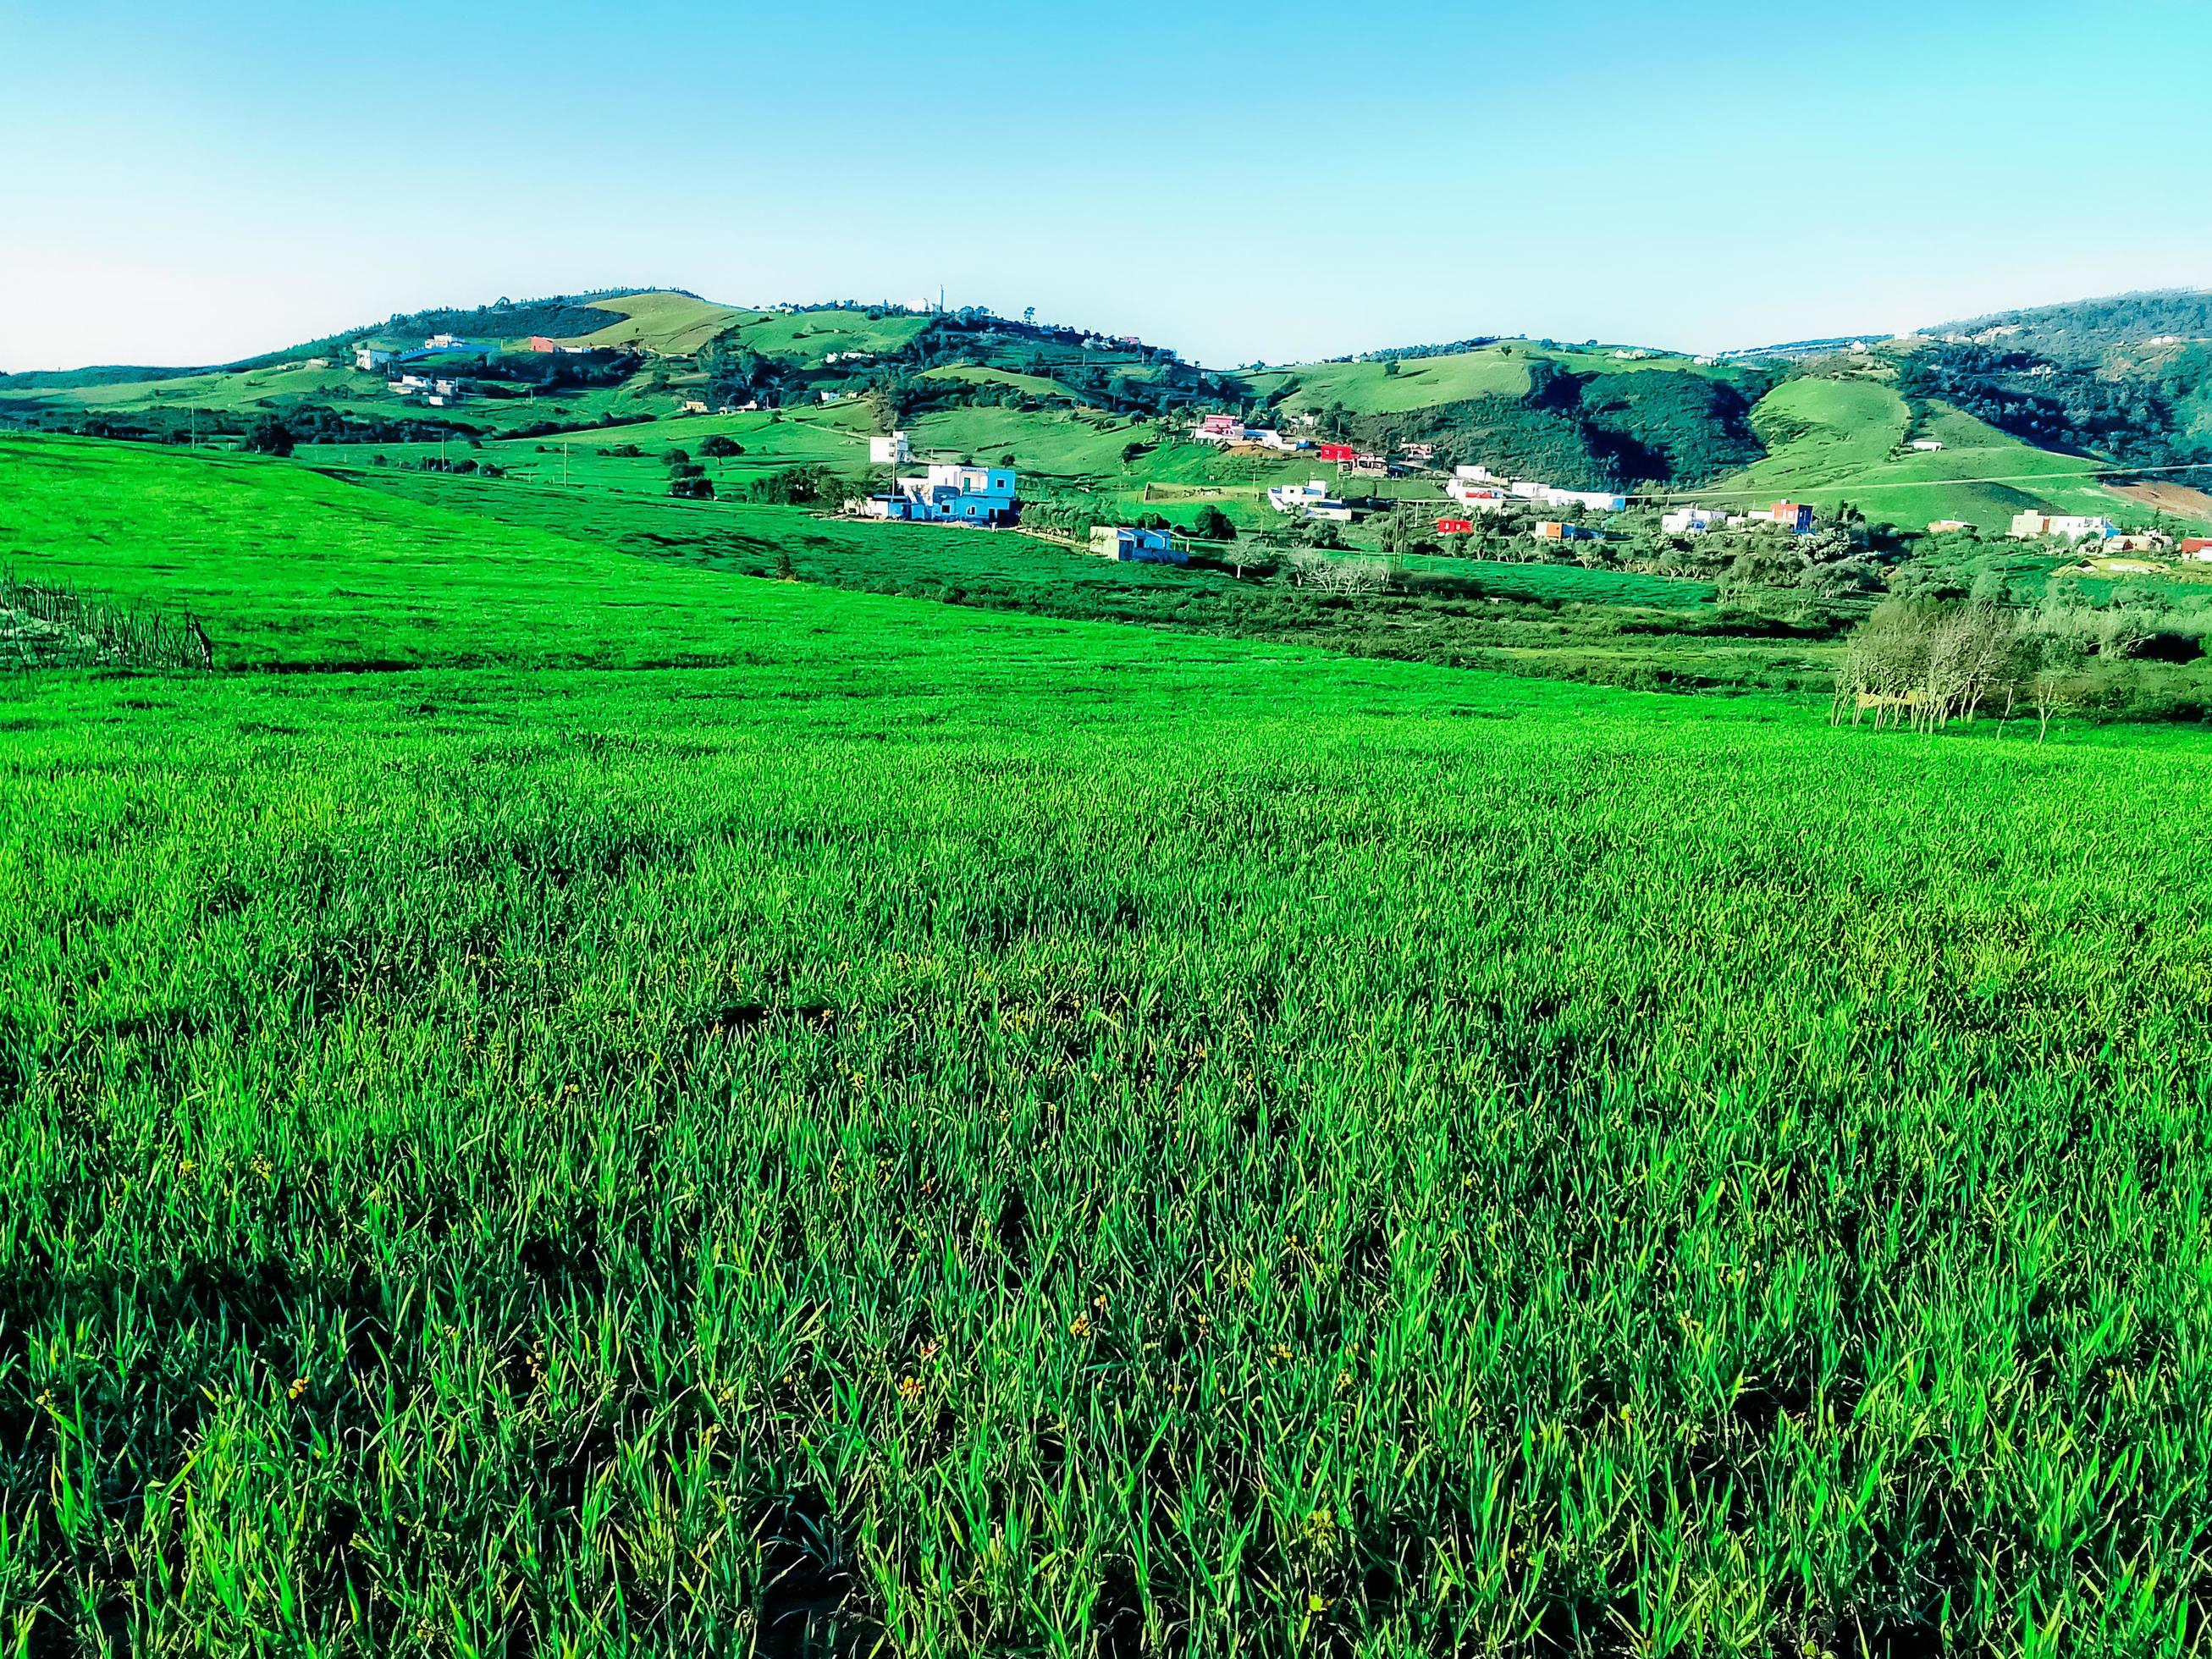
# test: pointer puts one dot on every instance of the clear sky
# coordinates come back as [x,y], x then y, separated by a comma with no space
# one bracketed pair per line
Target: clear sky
[191,182]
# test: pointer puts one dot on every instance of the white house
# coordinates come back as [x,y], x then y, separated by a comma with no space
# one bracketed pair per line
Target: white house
[894,450]
[2028,526]
[408,384]
[453,343]
[950,493]
[1295,498]
[691,406]
[1140,546]
[1927,446]
[316,362]
[1333,511]
[367,357]
[1476,498]
[1597,501]
[1476,475]
[1691,521]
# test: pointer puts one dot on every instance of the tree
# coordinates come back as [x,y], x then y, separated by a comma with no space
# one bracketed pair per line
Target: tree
[717,446]
[1212,525]
[2053,682]
[694,489]
[270,436]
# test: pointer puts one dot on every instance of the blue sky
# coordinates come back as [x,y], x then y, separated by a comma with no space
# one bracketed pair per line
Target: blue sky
[191,183]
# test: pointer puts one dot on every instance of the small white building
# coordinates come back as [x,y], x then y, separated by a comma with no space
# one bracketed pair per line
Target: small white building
[1691,521]
[1476,498]
[316,362]
[893,451]
[1295,498]
[1596,501]
[367,358]
[453,343]
[2032,526]
[1945,527]
[1332,511]
[691,406]
[1476,475]
[951,493]
[1135,546]
[1926,445]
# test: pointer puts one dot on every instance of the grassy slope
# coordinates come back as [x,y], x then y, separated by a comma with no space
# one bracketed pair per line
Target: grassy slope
[807,335]
[1833,441]
[979,374]
[670,323]
[1279,1145]
[273,556]
[1491,371]
[1420,382]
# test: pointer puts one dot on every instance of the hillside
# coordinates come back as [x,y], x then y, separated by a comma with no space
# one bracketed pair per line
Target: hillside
[2090,331]
[1833,441]
[1104,419]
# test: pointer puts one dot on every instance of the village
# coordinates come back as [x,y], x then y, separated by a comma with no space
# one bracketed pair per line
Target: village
[1482,502]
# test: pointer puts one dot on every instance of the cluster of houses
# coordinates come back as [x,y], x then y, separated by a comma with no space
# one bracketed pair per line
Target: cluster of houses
[1794,517]
[2109,537]
[1230,432]
[1480,491]
[2073,527]
[437,390]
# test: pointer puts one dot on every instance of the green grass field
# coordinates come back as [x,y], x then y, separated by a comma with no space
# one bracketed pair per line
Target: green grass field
[698,1114]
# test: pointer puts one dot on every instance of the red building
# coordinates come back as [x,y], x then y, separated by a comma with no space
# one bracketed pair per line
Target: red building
[1336,452]
[1792,516]
[542,343]
[1455,527]
[2197,545]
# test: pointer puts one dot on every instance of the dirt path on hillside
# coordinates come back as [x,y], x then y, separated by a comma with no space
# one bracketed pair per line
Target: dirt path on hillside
[2178,499]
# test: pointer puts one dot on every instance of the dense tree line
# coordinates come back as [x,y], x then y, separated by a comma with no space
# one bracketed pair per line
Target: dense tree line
[1579,431]
[2087,331]
[2130,418]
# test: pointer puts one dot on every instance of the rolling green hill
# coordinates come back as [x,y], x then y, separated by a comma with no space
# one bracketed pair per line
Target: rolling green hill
[1076,411]
[1830,440]
[670,323]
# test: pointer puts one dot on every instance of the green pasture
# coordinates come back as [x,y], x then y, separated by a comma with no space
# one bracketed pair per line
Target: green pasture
[694,1113]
